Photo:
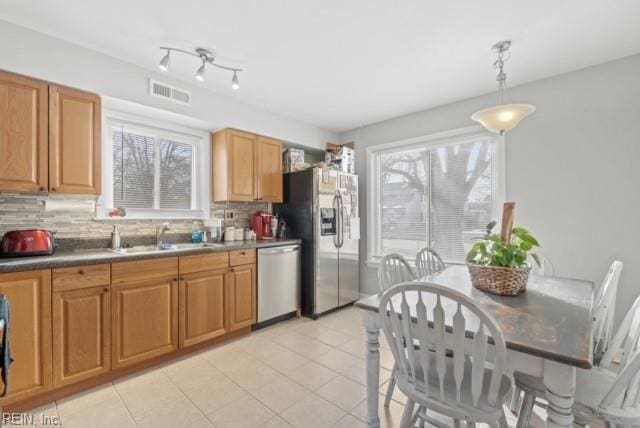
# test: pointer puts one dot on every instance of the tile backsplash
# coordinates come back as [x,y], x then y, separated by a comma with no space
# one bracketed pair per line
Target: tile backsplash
[22,211]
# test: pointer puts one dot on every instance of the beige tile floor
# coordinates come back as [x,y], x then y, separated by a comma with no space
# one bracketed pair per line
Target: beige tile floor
[299,373]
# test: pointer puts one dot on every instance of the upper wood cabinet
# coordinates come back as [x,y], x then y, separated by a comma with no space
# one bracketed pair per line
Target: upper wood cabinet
[246,167]
[81,334]
[50,137]
[269,169]
[29,294]
[75,141]
[23,134]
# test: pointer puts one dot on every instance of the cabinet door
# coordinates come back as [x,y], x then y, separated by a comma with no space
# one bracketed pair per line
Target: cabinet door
[242,186]
[202,306]
[269,169]
[29,294]
[242,297]
[23,134]
[75,141]
[144,320]
[81,334]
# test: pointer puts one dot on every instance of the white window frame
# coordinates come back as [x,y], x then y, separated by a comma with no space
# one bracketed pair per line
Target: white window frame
[199,139]
[498,165]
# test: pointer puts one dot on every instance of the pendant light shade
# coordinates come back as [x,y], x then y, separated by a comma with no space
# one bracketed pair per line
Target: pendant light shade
[504,117]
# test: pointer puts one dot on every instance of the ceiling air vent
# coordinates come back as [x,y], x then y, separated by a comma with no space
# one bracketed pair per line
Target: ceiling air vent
[168,92]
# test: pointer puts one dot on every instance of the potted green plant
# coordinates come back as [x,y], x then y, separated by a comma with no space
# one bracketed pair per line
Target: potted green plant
[498,263]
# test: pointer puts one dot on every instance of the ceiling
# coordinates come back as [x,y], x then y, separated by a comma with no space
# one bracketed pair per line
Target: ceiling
[342,64]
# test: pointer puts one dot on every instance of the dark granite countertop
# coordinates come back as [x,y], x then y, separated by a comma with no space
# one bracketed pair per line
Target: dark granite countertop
[97,256]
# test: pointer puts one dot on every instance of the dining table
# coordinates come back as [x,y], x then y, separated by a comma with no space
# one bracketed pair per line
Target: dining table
[547,330]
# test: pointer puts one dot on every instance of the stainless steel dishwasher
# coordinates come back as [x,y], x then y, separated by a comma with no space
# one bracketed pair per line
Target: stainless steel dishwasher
[278,283]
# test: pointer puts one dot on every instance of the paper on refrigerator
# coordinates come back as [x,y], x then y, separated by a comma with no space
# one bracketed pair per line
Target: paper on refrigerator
[354,229]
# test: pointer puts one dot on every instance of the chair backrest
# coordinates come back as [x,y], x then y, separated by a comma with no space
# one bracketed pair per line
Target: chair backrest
[545,268]
[416,313]
[394,269]
[624,394]
[604,309]
[626,339]
[428,261]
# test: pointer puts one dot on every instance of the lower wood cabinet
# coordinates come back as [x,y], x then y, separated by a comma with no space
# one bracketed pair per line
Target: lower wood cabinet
[81,334]
[29,294]
[202,306]
[241,309]
[144,320]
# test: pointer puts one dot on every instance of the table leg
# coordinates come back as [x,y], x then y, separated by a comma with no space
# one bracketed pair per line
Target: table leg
[560,383]
[372,325]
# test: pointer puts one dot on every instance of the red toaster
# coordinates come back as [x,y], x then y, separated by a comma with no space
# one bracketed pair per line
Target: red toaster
[32,242]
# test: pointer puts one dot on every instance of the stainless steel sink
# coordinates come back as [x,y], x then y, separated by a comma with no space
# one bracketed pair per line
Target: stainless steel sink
[149,249]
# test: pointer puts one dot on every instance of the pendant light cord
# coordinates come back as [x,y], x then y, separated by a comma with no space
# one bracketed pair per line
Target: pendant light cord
[501,78]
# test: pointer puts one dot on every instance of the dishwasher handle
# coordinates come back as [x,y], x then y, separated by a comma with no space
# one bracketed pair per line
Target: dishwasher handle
[279,250]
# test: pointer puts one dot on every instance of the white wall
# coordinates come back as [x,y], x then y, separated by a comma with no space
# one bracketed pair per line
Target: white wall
[34,54]
[573,168]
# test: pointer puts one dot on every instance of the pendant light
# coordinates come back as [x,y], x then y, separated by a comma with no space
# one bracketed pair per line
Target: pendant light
[502,117]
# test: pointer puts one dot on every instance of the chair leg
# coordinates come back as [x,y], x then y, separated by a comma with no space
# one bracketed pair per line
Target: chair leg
[456,423]
[390,388]
[407,414]
[502,422]
[515,400]
[526,410]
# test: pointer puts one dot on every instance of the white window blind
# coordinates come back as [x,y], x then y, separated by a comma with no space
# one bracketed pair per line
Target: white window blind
[442,195]
[152,170]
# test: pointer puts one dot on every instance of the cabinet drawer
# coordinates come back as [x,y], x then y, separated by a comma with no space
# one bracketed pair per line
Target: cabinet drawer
[143,270]
[242,257]
[203,262]
[72,278]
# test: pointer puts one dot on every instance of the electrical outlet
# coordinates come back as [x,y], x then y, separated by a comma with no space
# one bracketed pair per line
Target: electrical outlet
[229,214]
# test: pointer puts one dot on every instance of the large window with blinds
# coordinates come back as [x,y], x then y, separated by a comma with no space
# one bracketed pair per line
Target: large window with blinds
[439,192]
[151,170]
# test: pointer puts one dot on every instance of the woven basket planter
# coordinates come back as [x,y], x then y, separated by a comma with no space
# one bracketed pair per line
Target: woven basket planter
[499,280]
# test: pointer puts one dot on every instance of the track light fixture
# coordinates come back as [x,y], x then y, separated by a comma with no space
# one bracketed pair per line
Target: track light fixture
[206,57]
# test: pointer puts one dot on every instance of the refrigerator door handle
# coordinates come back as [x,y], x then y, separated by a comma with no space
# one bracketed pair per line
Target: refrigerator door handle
[336,209]
[341,221]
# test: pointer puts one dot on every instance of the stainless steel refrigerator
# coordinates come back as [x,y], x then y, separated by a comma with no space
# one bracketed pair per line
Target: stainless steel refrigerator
[321,208]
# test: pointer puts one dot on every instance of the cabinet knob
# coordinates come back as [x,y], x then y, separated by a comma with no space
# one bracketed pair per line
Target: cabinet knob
[105,289]
[41,188]
[81,272]
[242,253]
[53,189]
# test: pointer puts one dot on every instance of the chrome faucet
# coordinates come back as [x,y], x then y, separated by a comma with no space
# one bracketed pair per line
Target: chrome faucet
[160,230]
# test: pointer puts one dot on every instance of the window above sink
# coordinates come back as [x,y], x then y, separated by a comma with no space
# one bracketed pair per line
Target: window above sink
[154,169]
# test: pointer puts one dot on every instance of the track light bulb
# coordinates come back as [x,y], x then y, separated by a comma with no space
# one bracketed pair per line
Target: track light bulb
[164,62]
[200,72]
[235,84]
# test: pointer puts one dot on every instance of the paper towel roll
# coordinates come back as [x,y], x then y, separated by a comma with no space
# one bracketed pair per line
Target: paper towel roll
[69,205]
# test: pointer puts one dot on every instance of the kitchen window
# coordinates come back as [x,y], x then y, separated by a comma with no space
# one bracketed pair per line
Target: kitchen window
[439,191]
[154,170]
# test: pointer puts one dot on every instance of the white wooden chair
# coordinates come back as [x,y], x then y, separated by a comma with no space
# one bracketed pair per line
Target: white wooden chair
[545,268]
[600,392]
[428,261]
[604,304]
[393,269]
[465,386]
[604,312]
